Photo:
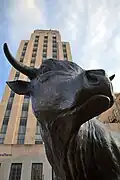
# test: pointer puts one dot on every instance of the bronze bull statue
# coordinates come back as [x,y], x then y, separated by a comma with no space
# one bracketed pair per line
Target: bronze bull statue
[66,101]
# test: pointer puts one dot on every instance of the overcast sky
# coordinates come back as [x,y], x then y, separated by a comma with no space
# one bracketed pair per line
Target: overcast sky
[91,26]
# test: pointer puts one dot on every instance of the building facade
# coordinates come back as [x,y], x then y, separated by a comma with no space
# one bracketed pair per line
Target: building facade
[22,153]
[111,117]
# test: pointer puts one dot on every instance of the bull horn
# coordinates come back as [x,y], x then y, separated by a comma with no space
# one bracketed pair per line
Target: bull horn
[112,77]
[28,71]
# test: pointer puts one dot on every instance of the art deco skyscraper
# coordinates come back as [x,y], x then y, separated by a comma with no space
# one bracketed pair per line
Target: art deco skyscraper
[22,154]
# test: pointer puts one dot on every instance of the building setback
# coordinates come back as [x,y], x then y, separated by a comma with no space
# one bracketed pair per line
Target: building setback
[22,154]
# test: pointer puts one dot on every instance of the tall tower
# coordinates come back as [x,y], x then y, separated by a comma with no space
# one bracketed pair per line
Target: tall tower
[22,155]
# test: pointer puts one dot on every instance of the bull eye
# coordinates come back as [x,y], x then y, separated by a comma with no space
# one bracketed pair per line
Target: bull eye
[91,78]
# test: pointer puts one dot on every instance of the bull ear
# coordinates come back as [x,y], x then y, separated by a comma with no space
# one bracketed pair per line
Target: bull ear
[19,87]
[112,77]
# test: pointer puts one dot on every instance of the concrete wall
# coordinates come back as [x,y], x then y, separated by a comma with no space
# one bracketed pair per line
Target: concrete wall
[25,154]
[111,117]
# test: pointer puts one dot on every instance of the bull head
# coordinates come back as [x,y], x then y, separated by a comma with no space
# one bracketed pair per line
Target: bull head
[21,87]
[63,87]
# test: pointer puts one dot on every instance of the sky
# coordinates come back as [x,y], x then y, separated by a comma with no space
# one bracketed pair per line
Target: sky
[91,26]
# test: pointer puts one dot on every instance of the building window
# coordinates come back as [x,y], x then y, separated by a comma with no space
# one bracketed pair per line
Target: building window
[25,107]
[24,48]
[5,121]
[23,53]
[45,50]
[43,59]
[54,50]
[1,140]
[44,45]
[22,129]
[45,41]
[54,56]
[26,98]
[36,37]
[36,40]
[24,114]
[38,141]
[44,55]
[36,45]
[33,60]
[54,41]
[4,128]
[26,43]
[65,55]
[54,37]
[21,59]
[15,171]
[7,113]
[9,105]
[55,45]
[37,171]
[33,54]
[32,65]
[21,139]
[17,74]
[34,49]
[54,53]
[64,45]
[38,138]
[6,117]
[37,129]
[45,37]
[2,137]
[12,94]
[64,51]
[23,121]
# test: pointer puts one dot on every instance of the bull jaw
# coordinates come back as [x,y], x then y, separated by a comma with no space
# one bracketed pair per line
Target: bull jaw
[93,107]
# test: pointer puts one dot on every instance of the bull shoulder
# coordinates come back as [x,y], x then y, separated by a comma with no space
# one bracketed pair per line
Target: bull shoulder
[96,151]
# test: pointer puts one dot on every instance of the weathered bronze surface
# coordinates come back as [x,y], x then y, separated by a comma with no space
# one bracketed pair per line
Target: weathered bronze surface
[66,100]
